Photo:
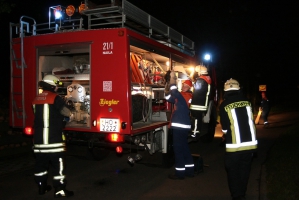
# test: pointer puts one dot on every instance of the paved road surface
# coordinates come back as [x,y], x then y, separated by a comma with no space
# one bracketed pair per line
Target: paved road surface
[112,178]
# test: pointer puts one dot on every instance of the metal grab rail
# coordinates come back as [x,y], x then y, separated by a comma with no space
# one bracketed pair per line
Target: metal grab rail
[127,15]
[21,29]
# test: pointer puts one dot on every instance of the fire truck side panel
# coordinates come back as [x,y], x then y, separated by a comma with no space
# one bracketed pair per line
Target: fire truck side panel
[110,80]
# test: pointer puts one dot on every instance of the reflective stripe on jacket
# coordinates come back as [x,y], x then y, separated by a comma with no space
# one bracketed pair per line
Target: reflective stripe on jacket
[201,94]
[180,118]
[48,123]
[237,123]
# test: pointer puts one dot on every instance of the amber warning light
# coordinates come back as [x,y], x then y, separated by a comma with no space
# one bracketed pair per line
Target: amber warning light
[28,131]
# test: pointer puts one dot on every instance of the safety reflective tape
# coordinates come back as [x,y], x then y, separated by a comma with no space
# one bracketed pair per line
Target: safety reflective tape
[46,124]
[243,148]
[207,96]
[195,127]
[41,173]
[197,107]
[192,165]
[61,192]
[49,145]
[59,177]
[60,166]
[49,150]
[251,123]
[180,125]
[180,169]
[244,144]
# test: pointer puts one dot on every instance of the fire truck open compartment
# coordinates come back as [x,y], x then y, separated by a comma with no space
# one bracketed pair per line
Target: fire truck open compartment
[71,64]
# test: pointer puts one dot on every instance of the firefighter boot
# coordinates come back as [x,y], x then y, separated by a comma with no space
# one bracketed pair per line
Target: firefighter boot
[62,192]
[43,188]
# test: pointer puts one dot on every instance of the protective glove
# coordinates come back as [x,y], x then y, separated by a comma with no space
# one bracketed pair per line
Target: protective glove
[167,89]
[170,79]
[167,77]
[173,78]
[166,80]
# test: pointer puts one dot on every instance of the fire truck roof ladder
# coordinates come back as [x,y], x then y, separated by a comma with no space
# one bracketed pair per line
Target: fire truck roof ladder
[17,66]
[130,16]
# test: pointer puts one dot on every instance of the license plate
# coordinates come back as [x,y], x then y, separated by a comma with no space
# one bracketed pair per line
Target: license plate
[109,125]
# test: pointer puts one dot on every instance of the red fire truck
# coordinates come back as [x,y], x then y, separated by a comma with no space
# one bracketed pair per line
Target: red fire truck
[111,59]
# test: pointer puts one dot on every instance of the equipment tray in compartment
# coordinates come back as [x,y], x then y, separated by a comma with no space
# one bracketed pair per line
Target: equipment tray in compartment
[67,77]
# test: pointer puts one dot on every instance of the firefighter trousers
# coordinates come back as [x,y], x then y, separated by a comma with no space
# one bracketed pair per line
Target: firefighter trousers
[184,165]
[238,166]
[43,161]
[196,122]
[265,114]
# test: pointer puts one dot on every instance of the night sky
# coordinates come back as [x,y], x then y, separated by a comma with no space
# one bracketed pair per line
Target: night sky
[253,41]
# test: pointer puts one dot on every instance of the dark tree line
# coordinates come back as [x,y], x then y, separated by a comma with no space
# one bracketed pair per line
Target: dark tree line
[5,6]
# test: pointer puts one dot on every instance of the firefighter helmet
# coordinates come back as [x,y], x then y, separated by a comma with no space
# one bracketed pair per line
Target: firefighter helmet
[52,80]
[201,70]
[188,82]
[231,84]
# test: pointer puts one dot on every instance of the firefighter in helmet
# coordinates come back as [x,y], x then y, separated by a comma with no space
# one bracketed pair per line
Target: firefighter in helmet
[239,131]
[202,94]
[180,126]
[49,145]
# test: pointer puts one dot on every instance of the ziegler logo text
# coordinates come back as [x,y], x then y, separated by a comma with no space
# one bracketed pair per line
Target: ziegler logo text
[111,102]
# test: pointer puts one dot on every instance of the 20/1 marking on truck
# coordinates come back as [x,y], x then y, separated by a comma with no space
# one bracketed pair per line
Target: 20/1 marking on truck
[109,125]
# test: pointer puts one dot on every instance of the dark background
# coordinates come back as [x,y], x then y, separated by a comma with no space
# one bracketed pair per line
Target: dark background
[253,41]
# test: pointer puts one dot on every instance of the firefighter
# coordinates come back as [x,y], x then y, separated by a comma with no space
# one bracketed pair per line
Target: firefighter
[49,146]
[180,125]
[186,91]
[202,94]
[239,131]
[265,107]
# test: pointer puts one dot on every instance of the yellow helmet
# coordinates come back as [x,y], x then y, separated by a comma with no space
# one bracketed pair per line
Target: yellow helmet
[231,84]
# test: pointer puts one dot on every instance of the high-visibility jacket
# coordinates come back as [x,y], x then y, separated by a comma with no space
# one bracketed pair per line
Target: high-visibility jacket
[202,93]
[48,123]
[237,123]
[180,118]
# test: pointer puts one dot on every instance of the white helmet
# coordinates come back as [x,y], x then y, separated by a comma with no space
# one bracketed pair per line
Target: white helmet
[52,80]
[231,84]
[201,69]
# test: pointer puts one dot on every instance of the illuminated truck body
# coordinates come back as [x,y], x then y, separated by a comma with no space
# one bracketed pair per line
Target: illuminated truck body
[112,76]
